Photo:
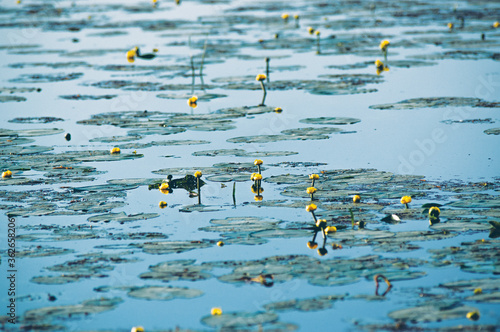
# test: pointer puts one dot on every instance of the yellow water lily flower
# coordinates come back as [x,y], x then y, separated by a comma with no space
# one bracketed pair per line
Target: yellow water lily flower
[258,162]
[311,207]
[254,190]
[313,176]
[322,251]
[450,26]
[434,211]
[311,190]
[330,229]
[321,223]
[285,16]
[216,311]
[356,199]
[296,16]
[220,243]
[198,174]
[258,198]
[473,315]
[496,24]
[7,174]
[278,110]
[115,150]
[478,291]
[405,199]
[317,32]
[310,30]
[155,50]
[379,64]
[257,176]
[261,77]
[131,54]
[164,186]
[137,329]
[384,44]
[193,101]
[312,245]
[162,204]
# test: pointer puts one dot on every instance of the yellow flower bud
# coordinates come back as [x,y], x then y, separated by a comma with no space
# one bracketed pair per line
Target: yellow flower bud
[137,329]
[114,150]
[356,199]
[312,245]
[313,176]
[7,174]
[311,207]
[193,101]
[473,315]
[384,44]
[162,204]
[405,199]
[311,190]
[216,311]
[197,174]
[164,186]
[257,177]
[220,243]
[258,162]
[261,77]
[330,229]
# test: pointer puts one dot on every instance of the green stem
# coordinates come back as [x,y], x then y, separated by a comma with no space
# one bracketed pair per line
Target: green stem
[199,191]
[352,217]
[314,217]
[265,93]
[312,185]
[192,74]
[406,205]
[312,197]
[234,193]
[267,69]
[258,168]
[318,51]
[202,62]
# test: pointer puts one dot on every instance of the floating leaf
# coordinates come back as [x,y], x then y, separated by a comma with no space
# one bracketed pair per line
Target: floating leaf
[164,293]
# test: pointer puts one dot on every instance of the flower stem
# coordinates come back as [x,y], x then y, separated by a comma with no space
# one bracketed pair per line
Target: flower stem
[352,217]
[265,93]
[406,205]
[314,217]
[234,193]
[267,69]
[199,191]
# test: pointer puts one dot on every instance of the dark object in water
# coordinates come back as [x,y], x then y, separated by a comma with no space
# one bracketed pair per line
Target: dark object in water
[147,56]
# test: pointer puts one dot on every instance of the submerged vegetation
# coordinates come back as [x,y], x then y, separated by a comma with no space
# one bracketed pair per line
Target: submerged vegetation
[116,209]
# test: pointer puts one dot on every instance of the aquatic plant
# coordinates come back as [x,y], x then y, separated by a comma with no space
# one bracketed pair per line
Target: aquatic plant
[220,244]
[7,174]
[137,329]
[496,24]
[267,68]
[317,33]
[258,163]
[193,102]
[311,208]
[261,78]
[310,191]
[434,212]
[384,44]
[114,150]
[162,204]
[198,175]
[356,199]
[285,17]
[380,67]
[473,315]
[216,311]
[389,285]
[278,110]
[296,17]
[405,200]
[310,30]
[131,55]
[313,177]
[450,26]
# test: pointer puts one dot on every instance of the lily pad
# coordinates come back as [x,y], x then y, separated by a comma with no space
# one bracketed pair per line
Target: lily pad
[234,320]
[492,131]
[330,121]
[431,312]
[171,247]
[164,293]
[122,217]
[437,102]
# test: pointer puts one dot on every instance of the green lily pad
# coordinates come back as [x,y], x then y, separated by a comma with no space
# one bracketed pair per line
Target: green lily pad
[171,247]
[115,139]
[492,131]
[243,153]
[233,320]
[313,304]
[87,97]
[330,121]
[437,102]
[85,308]
[177,270]
[30,132]
[431,312]
[164,293]
[122,217]
[46,78]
